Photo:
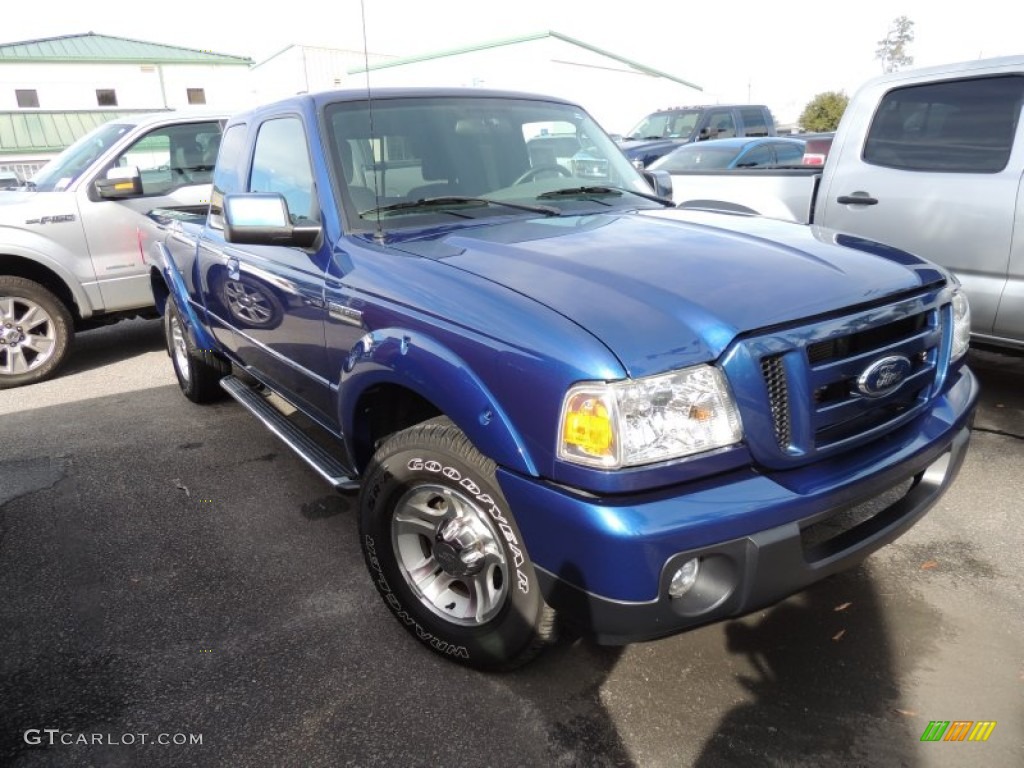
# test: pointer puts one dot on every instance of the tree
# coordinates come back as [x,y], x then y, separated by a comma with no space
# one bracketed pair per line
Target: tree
[822,113]
[892,51]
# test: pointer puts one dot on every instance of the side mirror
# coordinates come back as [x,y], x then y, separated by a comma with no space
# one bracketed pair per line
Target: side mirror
[120,184]
[263,219]
[661,183]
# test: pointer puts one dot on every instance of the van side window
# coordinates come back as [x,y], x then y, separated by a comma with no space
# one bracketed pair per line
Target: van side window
[754,123]
[721,125]
[957,126]
[281,164]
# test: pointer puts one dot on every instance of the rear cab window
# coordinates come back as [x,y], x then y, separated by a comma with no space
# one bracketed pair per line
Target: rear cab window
[956,126]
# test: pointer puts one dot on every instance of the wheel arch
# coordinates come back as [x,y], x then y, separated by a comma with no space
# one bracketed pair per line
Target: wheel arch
[174,288]
[394,379]
[161,292]
[49,277]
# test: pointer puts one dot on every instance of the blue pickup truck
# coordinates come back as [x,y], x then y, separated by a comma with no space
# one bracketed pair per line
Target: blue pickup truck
[560,398]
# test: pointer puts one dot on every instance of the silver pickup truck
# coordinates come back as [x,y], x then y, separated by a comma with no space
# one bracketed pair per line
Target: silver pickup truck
[930,161]
[69,240]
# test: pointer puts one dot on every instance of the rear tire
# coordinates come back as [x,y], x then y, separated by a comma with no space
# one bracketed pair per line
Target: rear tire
[445,552]
[35,332]
[198,375]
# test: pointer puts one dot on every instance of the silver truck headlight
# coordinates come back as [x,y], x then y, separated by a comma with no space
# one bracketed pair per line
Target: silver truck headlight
[961,325]
[642,421]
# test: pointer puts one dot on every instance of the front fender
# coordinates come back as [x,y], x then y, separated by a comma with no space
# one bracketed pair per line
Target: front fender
[24,244]
[201,338]
[420,364]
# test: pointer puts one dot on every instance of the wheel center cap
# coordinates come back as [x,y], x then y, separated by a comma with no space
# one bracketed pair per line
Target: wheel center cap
[448,558]
[10,335]
[457,549]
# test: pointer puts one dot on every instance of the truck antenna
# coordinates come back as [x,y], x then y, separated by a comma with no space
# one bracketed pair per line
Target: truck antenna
[379,233]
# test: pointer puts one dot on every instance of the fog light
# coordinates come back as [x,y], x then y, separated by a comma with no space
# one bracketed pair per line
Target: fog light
[684,579]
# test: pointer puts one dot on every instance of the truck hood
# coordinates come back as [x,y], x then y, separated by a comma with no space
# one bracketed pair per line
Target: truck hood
[670,288]
[21,206]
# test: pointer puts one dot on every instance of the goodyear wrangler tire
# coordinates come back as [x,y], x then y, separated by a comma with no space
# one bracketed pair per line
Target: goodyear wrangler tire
[199,379]
[445,553]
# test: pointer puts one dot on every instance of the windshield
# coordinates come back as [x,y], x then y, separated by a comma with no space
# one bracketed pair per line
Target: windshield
[677,124]
[481,154]
[61,172]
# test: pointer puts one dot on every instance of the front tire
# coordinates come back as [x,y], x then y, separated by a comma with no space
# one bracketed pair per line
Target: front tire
[35,332]
[198,375]
[445,552]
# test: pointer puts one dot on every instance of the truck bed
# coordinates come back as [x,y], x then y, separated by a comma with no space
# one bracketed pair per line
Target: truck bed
[778,193]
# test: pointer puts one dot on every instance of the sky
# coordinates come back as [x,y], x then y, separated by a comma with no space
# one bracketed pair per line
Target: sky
[780,53]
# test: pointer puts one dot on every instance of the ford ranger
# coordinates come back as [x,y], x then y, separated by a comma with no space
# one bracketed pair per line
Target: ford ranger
[557,395]
[69,243]
[927,160]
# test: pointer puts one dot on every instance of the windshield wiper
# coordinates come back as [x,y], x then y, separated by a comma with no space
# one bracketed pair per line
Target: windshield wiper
[442,202]
[595,191]
[579,192]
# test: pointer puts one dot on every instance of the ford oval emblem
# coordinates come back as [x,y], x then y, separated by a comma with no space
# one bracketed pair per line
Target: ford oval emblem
[883,376]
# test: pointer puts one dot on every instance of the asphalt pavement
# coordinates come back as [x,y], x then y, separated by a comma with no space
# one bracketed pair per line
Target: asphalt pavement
[176,588]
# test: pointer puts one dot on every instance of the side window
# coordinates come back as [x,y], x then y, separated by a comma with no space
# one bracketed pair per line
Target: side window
[754,123]
[721,125]
[789,154]
[756,157]
[281,164]
[958,126]
[227,177]
[173,156]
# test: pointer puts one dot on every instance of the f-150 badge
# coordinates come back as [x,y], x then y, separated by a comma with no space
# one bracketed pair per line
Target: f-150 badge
[61,219]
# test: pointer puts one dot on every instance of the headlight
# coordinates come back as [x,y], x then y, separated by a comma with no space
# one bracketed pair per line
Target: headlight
[961,325]
[642,421]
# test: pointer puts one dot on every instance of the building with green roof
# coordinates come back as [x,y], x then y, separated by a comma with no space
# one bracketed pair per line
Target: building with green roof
[56,89]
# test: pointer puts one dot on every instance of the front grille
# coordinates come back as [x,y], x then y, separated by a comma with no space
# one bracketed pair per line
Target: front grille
[863,341]
[841,409]
[778,398]
[841,382]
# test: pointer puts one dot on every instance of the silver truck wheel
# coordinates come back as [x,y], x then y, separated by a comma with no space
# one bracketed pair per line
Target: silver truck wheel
[178,347]
[445,552]
[450,554]
[35,332]
[198,375]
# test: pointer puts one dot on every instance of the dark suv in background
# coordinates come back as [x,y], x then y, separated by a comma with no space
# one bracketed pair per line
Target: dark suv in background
[662,131]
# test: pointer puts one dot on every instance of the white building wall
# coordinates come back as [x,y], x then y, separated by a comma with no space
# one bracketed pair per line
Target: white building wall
[70,87]
[615,94]
[226,87]
[307,69]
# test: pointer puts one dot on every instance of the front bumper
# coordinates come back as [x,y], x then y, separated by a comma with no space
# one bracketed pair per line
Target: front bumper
[606,563]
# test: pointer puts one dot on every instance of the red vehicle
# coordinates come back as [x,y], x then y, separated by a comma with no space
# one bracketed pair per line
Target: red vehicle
[816,148]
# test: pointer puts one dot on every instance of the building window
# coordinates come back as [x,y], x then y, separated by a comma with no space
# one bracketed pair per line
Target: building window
[106,97]
[196,96]
[27,98]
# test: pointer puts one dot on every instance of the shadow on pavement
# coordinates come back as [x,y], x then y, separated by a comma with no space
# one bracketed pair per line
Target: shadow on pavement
[824,688]
[111,344]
